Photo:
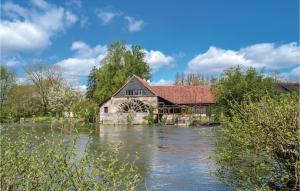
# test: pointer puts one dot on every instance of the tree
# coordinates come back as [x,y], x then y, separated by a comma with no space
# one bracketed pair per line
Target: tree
[62,98]
[259,144]
[23,101]
[44,76]
[8,79]
[192,80]
[116,68]
[92,82]
[87,110]
[235,85]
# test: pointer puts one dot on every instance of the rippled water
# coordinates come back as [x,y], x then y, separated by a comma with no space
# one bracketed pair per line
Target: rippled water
[171,158]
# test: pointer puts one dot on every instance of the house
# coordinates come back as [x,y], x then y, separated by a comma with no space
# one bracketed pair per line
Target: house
[287,87]
[133,100]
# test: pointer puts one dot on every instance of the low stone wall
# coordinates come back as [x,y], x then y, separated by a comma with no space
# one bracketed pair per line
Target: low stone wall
[124,118]
[184,120]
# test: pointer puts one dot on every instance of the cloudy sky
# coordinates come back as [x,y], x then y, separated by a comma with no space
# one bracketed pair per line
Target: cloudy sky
[204,36]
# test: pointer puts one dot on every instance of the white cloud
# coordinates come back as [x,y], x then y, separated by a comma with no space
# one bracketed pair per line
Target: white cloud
[84,60]
[41,4]
[81,88]
[86,57]
[22,80]
[162,82]
[13,61]
[292,75]
[107,16]
[157,60]
[265,55]
[296,72]
[134,25]
[31,29]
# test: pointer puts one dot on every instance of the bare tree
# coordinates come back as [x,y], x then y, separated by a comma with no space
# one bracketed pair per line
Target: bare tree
[44,76]
[192,79]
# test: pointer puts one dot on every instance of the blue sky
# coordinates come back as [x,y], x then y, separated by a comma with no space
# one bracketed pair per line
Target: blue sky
[204,36]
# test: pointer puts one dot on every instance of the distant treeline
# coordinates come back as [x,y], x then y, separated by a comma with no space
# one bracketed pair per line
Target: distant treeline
[190,79]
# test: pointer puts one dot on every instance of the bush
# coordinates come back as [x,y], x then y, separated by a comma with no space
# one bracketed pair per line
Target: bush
[52,163]
[86,110]
[150,117]
[258,147]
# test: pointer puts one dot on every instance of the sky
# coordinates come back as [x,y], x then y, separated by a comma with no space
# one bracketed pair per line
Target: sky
[189,36]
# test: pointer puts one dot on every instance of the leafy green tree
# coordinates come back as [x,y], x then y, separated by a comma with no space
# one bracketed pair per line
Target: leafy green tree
[118,66]
[23,101]
[7,80]
[91,85]
[259,144]
[87,110]
[235,85]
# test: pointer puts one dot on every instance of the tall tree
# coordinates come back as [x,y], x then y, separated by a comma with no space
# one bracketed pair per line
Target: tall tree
[44,76]
[62,99]
[8,79]
[118,66]
[23,101]
[92,82]
[236,84]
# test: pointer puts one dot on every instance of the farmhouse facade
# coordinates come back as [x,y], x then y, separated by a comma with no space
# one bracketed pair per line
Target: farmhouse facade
[131,103]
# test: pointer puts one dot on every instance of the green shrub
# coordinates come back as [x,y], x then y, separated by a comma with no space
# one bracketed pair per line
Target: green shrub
[129,118]
[150,117]
[52,162]
[258,147]
[86,110]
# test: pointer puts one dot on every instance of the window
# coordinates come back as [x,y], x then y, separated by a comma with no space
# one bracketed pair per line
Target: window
[136,92]
[105,109]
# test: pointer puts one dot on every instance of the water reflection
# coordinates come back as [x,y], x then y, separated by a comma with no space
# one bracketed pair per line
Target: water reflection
[171,158]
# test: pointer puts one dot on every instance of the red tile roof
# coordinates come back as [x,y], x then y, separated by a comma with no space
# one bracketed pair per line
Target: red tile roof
[185,94]
[179,94]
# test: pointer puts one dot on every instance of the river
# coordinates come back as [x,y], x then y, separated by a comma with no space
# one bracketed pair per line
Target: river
[171,158]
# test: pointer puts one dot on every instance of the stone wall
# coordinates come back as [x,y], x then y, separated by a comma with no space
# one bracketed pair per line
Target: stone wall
[185,119]
[113,116]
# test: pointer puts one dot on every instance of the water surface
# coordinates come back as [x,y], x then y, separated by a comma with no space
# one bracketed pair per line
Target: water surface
[171,158]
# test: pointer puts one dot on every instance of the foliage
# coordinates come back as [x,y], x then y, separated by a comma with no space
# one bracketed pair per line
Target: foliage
[91,84]
[87,110]
[53,163]
[7,80]
[129,118]
[44,76]
[22,101]
[119,64]
[150,117]
[236,85]
[258,147]
[62,98]
[192,80]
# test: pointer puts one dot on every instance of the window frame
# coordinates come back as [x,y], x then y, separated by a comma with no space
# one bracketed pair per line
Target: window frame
[105,109]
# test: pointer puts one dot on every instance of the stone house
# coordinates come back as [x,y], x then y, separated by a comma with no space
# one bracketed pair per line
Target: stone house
[132,101]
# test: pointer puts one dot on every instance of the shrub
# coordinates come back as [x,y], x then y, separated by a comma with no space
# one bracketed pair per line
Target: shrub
[259,145]
[52,163]
[150,117]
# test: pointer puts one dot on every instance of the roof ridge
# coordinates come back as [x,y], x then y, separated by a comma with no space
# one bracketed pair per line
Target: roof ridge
[145,83]
[198,86]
